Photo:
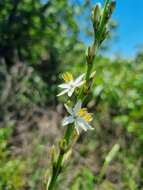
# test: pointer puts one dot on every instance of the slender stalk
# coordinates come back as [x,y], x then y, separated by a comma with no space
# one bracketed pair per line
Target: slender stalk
[57,168]
[56,172]
[68,133]
[100,35]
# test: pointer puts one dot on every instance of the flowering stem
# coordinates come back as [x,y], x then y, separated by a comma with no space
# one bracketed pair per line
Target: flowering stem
[100,21]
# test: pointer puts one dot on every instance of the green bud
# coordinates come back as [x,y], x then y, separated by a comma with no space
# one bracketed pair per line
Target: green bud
[111,7]
[96,13]
[93,74]
[105,33]
[63,145]
[90,53]
[86,52]
[67,156]
[53,154]
[75,136]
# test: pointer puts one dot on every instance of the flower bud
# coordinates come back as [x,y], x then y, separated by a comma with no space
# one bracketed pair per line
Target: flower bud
[93,74]
[67,156]
[74,137]
[53,154]
[96,13]
[111,7]
[90,53]
[63,145]
[105,34]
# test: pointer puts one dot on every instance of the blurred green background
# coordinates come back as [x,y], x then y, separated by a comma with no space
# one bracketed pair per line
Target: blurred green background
[39,40]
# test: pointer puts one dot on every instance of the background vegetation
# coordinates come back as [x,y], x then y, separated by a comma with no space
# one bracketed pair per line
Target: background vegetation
[38,41]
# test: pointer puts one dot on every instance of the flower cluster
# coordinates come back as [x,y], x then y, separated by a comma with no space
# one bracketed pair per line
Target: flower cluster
[79,116]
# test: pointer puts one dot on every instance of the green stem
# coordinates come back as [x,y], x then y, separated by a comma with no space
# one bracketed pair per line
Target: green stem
[56,172]
[57,168]
[68,133]
[88,72]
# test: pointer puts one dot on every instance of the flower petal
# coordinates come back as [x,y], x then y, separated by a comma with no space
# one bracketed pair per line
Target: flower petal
[83,122]
[77,107]
[63,92]
[70,91]
[76,127]
[69,110]
[64,85]
[79,78]
[80,83]
[68,120]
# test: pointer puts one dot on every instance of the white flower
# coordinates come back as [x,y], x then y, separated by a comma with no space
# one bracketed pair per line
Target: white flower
[70,84]
[79,117]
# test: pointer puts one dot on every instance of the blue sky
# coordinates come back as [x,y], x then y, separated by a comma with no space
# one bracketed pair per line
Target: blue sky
[129,16]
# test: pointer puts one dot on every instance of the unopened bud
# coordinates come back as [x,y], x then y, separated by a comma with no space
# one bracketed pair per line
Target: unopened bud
[53,154]
[63,145]
[111,7]
[96,13]
[75,136]
[93,74]
[105,34]
[90,53]
[67,156]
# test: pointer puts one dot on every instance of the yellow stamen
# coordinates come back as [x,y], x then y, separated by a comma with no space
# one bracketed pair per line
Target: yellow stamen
[67,77]
[83,113]
[88,117]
